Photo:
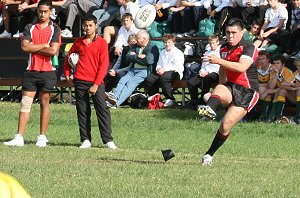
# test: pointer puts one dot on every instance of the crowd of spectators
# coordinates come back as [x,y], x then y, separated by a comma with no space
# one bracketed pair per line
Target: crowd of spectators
[272,26]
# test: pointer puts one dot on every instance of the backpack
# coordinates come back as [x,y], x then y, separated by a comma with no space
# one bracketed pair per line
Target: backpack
[138,101]
[154,102]
[159,29]
[206,27]
[191,69]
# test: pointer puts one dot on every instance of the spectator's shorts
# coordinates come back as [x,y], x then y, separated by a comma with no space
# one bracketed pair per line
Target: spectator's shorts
[242,96]
[39,81]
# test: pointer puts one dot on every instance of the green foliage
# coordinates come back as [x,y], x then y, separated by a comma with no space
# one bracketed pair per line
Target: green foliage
[258,160]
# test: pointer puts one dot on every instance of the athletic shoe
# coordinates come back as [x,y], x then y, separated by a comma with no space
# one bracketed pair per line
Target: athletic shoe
[17,141]
[109,105]
[41,141]
[86,144]
[207,160]
[5,34]
[206,111]
[53,14]
[169,103]
[111,98]
[296,55]
[66,33]
[111,145]
[18,34]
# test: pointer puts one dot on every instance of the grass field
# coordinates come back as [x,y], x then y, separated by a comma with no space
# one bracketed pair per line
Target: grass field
[258,160]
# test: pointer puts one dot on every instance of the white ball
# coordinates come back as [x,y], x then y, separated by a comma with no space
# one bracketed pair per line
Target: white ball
[73,59]
[145,16]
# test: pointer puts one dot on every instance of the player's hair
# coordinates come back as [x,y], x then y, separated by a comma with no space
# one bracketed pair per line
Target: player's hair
[264,53]
[167,37]
[144,34]
[256,22]
[46,3]
[89,17]
[235,22]
[279,57]
[213,37]
[127,15]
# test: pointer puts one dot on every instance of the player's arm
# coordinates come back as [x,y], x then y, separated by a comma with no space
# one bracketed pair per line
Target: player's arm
[28,46]
[222,75]
[241,66]
[52,50]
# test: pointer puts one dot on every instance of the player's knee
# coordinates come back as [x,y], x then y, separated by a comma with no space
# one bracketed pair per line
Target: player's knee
[26,104]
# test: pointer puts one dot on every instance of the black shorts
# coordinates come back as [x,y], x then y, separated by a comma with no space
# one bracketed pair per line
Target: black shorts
[242,96]
[39,81]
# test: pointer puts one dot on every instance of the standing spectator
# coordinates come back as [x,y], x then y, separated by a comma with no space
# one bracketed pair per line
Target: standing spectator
[169,67]
[89,79]
[238,88]
[273,29]
[41,40]
[143,57]
[208,74]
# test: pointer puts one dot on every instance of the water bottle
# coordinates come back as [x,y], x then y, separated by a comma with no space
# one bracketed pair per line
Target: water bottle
[54,60]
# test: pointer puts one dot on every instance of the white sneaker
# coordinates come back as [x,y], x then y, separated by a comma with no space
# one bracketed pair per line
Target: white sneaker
[17,141]
[169,103]
[206,111]
[111,145]
[66,33]
[207,160]
[111,98]
[5,34]
[41,141]
[18,34]
[53,14]
[296,55]
[86,144]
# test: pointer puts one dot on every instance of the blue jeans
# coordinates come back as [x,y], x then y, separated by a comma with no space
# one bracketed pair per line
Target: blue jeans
[102,15]
[129,83]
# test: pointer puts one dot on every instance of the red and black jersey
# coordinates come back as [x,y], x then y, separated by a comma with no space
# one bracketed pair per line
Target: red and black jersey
[245,50]
[93,60]
[35,34]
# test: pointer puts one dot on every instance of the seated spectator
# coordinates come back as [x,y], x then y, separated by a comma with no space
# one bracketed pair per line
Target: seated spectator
[74,8]
[273,29]
[169,67]
[127,6]
[57,8]
[163,9]
[208,74]
[143,57]
[253,33]
[247,10]
[294,38]
[263,71]
[120,67]
[279,77]
[8,7]
[110,7]
[220,10]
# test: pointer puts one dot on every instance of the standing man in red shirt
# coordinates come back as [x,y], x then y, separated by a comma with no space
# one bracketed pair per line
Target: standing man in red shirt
[42,41]
[89,79]
[238,88]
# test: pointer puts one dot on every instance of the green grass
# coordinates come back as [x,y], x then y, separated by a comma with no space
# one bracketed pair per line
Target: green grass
[258,160]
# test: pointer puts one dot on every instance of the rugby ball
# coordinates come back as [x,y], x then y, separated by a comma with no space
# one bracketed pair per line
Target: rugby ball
[73,59]
[145,16]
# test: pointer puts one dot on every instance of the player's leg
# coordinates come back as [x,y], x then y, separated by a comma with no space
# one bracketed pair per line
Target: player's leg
[221,96]
[266,102]
[44,111]
[297,116]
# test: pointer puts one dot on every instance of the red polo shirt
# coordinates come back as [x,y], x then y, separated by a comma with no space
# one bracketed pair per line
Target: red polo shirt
[37,35]
[93,60]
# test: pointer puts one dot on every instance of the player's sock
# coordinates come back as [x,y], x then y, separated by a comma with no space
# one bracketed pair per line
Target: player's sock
[271,116]
[216,143]
[280,107]
[214,102]
[297,117]
[266,105]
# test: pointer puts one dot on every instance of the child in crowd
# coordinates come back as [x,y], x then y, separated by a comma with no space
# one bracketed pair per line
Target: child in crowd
[263,71]
[253,33]
[208,74]
[279,78]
